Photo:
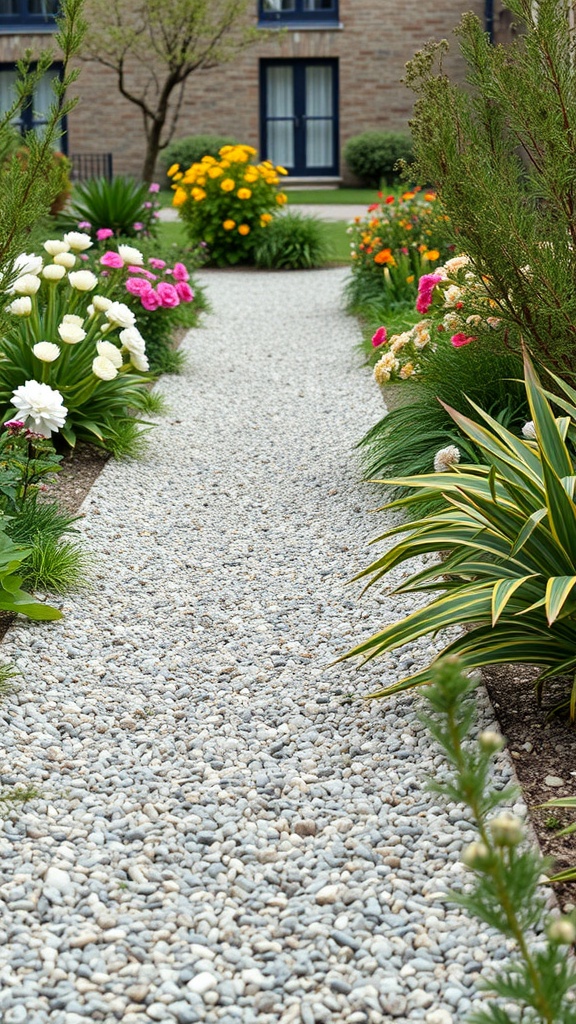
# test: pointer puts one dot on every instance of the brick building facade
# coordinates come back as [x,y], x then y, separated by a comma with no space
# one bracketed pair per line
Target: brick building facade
[335,71]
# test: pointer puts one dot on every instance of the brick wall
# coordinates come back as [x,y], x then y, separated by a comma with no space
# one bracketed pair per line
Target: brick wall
[376,40]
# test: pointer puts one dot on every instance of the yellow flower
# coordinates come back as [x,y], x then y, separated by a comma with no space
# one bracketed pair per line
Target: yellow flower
[281,198]
[172,170]
[228,185]
[244,193]
[198,194]
[177,176]
[244,229]
[215,172]
[224,150]
[208,160]
[180,197]
[228,225]
[410,279]
[250,150]
[224,163]
[251,175]
[431,255]
[265,219]
[281,170]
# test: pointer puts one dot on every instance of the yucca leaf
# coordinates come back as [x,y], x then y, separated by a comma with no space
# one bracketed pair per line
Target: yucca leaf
[558,589]
[550,439]
[561,512]
[527,530]
[504,589]
[525,465]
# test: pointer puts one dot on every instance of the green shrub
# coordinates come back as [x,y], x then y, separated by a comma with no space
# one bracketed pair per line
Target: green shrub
[190,150]
[373,155]
[123,206]
[508,535]
[293,242]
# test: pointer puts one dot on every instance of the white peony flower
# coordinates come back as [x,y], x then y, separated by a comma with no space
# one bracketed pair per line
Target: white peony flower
[83,280]
[120,315]
[104,368]
[54,246]
[110,352]
[133,341]
[452,295]
[131,255]
[72,318]
[21,307]
[65,259]
[529,430]
[446,459]
[101,303]
[455,264]
[27,263]
[40,406]
[53,273]
[139,361]
[78,240]
[46,351]
[28,284]
[71,334]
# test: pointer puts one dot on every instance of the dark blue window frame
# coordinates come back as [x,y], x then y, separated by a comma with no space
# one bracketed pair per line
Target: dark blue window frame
[28,122]
[23,17]
[299,64]
[299,16]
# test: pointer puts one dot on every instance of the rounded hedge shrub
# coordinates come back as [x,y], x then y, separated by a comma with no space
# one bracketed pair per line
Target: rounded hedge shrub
[372,155]
[191,148]
[292,241]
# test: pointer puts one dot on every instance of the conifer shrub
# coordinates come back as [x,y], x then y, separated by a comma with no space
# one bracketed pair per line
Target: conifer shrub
[373,156]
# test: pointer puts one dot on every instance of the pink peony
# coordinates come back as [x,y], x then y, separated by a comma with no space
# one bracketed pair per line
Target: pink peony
[426,286]
[142,271]
[137,225]
[150,299]
[147,206]
[379,338]
[84,224]
[185,293]
[157,264]
[168,295]
[154,187]
[458,340]
[180,273]
[112,259]
[103,233]
[138,285]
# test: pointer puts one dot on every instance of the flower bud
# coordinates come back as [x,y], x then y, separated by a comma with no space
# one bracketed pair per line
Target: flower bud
[46,351]
[21,307]
[476,856]
[65,259]
[506,829]
[56,245]
[490,741]
[562,931]
[83,280]
[28,284]
[52,272]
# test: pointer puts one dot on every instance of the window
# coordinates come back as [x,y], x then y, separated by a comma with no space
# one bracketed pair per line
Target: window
[38,15]
[298,12]
[35,114]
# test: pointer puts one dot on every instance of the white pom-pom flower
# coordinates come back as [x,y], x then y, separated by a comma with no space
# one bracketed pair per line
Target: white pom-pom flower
[28,263]
[446,458]
[65,259]
[53,272]
[104,368]
[46,351]
[139,361]
[21,307]
[133,341]
[83,280]
[78,241]
[101,303]
[120,315]
[71,334]
[131,255]
[40,407]
[110,352]
[28,284]
[54,246]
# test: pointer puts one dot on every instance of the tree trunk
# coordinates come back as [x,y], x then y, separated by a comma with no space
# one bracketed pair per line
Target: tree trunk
[152,150]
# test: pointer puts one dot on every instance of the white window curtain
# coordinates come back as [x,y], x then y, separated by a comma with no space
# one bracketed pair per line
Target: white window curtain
[8,93]
[43,99]
[319,133]
[280,103]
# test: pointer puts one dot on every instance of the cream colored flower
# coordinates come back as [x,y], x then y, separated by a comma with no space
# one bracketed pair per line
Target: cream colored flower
[41,405]
[21,307]
[139,361]
[406,371]
[452,322]
[529,430]
[73,318]
[27,263]
[54,246]
[65,259]
[83,280]
[28,284]
[474,319]
[455,264]
[46,351]
[446,459]
[53,272]
[78,241]
[131,255]
[101,303]
[562,931]
[381,374]
[110,352]
[104,368]
[506,829]
[452,295]
[476,855]
[120,315]
[421,337]
[132,340]
[71,334]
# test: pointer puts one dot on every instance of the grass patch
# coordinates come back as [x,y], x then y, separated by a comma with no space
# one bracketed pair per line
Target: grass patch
[55,565]
[172,232]
[338,239]
[332,196]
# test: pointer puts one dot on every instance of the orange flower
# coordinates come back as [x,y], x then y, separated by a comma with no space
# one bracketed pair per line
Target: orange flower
[408,195]
[431,255]
[385,256]
[430,196]
[244,229]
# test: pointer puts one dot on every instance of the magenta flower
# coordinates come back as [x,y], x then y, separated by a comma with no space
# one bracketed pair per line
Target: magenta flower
[14,426]
[150,300]
[426,286]
[112,259]
[379,338]
[84,224]
[458,340]
[154,187]
[137,226]
[185,293]
[103,233]
[180,273]
[168,295]
[83,256]
[137,286]
[147,206]
[142,271]
[157,264]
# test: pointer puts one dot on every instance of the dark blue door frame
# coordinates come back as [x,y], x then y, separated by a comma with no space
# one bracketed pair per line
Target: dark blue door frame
[300,118]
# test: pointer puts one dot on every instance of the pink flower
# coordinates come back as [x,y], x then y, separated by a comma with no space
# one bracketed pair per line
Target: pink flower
[458,340]
[137,286]
[168,295]
[112,259]
[150,299]
[379,338]
[143,271]
[147,206]
[180,273]
[137,225]
[157,264]
[426,286]
[185,293]
[103,233]
[154,187]
[83,255]
[84,224]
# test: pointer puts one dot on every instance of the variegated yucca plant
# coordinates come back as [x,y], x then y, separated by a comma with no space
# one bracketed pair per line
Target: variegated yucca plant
[507,533]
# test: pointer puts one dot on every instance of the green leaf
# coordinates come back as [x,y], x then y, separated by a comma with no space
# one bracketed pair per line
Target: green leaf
[503,591]
[550,439]
[558,589]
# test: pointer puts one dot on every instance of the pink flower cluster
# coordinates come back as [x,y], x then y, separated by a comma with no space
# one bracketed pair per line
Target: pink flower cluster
[460,339]
[379,338]
[164,294]
[426,286]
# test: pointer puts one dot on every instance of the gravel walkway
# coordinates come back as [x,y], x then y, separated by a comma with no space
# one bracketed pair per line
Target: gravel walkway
[217,836]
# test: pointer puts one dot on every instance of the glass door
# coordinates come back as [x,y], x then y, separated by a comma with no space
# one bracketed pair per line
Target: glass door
[299,115]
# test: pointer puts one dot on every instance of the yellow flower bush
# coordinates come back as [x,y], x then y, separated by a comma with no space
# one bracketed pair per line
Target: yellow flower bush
[228,202]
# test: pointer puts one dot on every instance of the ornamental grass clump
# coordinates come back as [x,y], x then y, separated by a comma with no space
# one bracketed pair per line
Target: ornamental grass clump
[228,202]
[507,533]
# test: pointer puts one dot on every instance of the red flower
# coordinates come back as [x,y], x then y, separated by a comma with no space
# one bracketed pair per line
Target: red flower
[379,338]
[389,199]
[458,340]
[373,206]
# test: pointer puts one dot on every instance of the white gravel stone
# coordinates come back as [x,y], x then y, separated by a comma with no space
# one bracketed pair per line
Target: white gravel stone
[220,835]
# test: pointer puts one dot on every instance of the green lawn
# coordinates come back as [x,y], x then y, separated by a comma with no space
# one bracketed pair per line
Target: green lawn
[332,196]
[173,233]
